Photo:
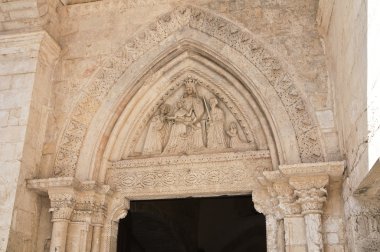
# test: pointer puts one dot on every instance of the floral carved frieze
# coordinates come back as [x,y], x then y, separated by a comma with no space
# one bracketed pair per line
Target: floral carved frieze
[218,173]
[187,17]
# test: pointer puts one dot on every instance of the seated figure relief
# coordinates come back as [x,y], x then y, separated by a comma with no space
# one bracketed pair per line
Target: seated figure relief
[197,124]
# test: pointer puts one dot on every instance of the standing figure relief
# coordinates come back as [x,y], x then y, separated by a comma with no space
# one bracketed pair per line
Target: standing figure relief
[234,138]
[216,138]
[197,124]
[158,131]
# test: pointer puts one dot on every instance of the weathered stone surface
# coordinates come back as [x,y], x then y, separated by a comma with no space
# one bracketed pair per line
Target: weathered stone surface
[280,92]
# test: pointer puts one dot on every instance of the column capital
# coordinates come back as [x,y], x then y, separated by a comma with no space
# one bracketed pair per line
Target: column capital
[265,202]
[312,200]
[287,199]
[310,192]
[62,204]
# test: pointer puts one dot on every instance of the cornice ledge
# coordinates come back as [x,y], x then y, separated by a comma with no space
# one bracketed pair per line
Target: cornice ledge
[333,169]
[44,185]
[24,42]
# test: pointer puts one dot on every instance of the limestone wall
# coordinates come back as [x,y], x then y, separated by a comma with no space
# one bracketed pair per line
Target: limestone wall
[356,89]
[91,32]
[35,106]
[25,93]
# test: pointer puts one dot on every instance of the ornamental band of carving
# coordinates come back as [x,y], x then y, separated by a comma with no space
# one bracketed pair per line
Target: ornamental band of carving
[194,18]
[222,172]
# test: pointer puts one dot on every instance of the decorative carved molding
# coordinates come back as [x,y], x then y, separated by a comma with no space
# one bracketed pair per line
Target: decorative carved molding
[61,214]
[212,25]
[91,6]
[189,159]
[61,205]
[81,216]
[61,199]
[222,172]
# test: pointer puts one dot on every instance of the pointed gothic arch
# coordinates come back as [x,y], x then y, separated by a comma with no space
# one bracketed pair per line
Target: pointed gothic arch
[151,44]
[96,175]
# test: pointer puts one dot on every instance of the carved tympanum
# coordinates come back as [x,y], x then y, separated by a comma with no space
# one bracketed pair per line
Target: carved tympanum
[192,120]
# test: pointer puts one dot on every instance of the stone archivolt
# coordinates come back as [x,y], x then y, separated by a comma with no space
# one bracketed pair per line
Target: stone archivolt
[309,143]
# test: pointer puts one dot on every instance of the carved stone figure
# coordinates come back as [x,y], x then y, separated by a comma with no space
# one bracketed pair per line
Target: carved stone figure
[195,110]
[216,138]
[187,133]
[234,138]
[179,130]
[156,137]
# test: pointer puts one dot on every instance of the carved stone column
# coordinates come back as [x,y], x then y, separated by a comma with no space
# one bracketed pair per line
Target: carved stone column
[97,223]
[294,225]
[61,208]
[117,209]
[265,202]
[311,196]
[78,232]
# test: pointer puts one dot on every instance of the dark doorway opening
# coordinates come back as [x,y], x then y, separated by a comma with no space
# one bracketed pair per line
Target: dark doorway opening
[222,224]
